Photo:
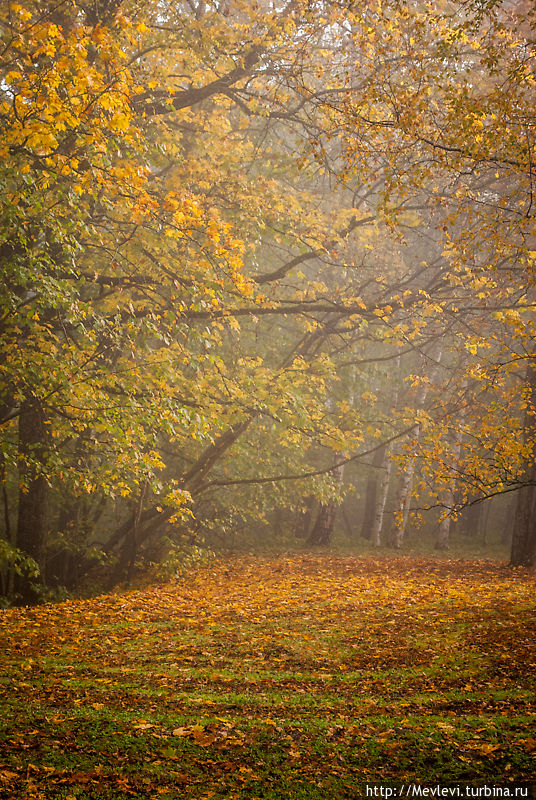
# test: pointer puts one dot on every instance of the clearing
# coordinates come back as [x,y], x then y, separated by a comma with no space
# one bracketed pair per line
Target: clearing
[292,677]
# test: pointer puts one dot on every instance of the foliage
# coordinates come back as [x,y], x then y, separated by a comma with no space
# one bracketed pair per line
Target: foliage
[14,560]
[180,558]
[224,227]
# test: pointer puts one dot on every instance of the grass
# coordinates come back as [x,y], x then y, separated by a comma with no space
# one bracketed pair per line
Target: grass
[297,677]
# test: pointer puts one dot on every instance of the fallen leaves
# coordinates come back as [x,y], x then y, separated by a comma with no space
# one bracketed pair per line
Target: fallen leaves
[335,669]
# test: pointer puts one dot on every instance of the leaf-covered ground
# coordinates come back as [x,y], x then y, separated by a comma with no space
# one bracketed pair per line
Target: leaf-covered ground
[301,677]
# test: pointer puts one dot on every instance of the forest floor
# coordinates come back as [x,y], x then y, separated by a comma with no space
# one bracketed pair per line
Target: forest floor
[292,677]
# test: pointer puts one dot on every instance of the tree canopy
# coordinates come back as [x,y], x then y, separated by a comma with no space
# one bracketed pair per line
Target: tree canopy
[247,245]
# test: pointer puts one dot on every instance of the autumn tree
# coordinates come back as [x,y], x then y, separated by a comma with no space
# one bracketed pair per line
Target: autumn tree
[139,228]
[217,218]
[444,115]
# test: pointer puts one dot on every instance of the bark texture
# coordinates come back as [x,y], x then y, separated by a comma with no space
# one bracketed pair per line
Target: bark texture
[382,499]
[33,505]
[322,531]
[371,494]
[523,551]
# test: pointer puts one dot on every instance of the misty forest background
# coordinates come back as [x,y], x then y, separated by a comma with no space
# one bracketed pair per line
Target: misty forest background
[267,282]
[267,399]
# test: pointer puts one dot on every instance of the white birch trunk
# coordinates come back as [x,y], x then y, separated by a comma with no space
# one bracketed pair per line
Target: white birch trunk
[382,499]
[443,532]
[403,502]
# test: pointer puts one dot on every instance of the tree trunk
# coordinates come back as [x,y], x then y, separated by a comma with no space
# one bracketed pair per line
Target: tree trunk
[142,525]
[6,575]
[323,528]
[443,532]
[32,523]
[382,499]
[403,503]
[371,493]
[385,464]
[5,500]
[523,552]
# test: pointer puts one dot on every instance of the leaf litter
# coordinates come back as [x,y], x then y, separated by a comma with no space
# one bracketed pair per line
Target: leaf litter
[298,676]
